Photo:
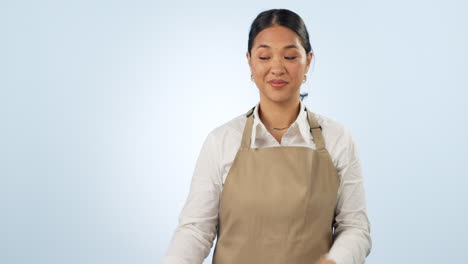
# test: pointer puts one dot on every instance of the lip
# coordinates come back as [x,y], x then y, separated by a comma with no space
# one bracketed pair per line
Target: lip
[278,83]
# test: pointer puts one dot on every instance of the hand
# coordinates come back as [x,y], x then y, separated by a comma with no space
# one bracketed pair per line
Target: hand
[323,260]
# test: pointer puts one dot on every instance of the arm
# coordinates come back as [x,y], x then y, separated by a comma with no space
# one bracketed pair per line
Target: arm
[352,241]
[194,235]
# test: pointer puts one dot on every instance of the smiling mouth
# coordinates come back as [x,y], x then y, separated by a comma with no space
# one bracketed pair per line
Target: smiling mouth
[277,84]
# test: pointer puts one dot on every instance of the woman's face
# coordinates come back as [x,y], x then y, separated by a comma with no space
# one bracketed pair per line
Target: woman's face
[278,63]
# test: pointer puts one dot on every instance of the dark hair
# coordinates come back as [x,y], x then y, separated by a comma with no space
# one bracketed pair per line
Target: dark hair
[280,17]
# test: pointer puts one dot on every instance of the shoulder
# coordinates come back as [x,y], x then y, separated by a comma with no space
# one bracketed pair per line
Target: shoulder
[229,132]
[333,130]
[338,139]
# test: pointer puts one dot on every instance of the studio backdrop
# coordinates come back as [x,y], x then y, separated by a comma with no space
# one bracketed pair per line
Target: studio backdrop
[104,106]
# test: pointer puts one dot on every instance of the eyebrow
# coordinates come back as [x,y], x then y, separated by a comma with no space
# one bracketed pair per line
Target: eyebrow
[286,47]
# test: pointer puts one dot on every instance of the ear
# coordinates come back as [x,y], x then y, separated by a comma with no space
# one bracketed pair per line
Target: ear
[247,55]
[309,60]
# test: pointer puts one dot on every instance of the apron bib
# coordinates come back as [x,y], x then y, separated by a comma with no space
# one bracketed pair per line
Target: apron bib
[277,204]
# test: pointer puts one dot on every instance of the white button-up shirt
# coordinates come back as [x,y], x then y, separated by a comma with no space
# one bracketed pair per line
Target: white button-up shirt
[194,236]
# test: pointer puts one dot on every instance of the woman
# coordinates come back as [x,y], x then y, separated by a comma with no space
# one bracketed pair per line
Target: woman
[278,184]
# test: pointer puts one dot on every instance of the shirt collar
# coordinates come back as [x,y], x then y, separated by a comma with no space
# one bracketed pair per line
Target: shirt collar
[301,122]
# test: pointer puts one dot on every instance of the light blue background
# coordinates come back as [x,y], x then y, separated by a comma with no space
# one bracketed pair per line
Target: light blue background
[104,106]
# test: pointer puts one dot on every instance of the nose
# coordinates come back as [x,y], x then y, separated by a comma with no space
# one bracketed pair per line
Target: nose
[277,67]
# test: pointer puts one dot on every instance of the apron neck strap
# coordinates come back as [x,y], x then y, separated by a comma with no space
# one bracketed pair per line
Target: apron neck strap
[245,143]
[315,129]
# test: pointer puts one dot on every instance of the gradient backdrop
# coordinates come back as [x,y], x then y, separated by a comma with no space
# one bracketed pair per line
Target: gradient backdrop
[104,106]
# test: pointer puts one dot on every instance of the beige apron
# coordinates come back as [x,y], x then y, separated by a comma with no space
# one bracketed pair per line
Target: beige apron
[277,204]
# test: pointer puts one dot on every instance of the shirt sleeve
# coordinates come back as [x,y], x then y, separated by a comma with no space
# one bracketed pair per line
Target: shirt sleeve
[193,238]
[352,241]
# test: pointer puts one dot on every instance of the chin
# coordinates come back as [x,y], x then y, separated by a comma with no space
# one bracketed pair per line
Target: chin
[279,98]
[277,95]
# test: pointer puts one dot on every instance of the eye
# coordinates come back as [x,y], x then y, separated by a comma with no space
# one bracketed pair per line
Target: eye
[290,58]
[264,58]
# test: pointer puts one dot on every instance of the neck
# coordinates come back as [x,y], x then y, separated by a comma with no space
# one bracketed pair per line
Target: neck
[278,115]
